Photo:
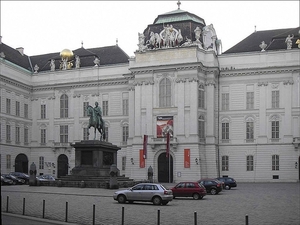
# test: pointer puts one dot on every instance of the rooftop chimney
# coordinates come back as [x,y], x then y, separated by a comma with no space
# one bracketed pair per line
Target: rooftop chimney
[21,50]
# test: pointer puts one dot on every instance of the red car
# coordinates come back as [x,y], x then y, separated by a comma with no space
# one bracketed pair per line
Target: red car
[189,189]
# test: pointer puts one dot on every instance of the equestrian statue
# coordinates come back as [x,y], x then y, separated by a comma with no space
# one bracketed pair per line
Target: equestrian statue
[96,120]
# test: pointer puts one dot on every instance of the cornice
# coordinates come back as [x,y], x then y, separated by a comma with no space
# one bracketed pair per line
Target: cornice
[258,71]
[15,83]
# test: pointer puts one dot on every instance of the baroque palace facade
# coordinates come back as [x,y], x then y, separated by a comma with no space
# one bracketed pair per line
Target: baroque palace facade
[233,114]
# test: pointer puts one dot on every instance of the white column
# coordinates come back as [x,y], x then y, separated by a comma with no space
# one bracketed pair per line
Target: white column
[210,121]
[180,105]
[262,134]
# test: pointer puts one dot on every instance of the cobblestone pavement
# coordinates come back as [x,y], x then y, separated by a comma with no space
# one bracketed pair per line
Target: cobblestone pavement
[264,203]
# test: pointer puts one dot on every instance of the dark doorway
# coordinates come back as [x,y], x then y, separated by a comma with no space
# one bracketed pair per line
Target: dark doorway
[21,163]
[62,165]
[163,168]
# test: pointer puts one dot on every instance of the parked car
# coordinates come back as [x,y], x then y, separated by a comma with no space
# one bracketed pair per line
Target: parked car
[5,181]
[212,186]
[145,192]
[45,177]
[20,175]
[14,179]
[229,182]
[189,189]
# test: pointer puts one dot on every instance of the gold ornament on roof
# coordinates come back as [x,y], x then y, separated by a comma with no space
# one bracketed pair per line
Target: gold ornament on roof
[66,59]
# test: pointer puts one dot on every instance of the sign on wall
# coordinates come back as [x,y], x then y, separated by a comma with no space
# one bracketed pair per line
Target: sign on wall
[164,125]
[187,160]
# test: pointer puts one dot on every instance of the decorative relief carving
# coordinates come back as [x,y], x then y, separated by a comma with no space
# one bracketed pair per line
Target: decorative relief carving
[265,83]
[193,79]
[210,83]
[275,86]
[131,88]
[290,82]
[76,95]
[274,117]
[180,80]
[51,97]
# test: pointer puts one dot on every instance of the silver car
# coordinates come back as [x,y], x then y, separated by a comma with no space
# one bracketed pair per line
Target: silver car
[145,192]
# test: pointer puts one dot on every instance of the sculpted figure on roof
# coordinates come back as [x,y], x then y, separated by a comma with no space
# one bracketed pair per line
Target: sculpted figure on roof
[289,42]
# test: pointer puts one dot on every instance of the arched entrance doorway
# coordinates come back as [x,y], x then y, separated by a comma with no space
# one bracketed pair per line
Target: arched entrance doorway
[165,172]
[62,165]
[21,163]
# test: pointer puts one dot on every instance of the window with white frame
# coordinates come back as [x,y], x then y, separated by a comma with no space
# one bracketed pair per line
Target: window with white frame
[43,111]
[250,130]
[125,133]
[275,99]
[26,139]
[275,129]
[8,137]
[225,163]
[17,108]
[275,162]
[64,134]
[201,96]
[225,131]
[225,101]
[165,92]
[85,105]
[43,136]
[17,134]
[8,161]
[26,111]
[8,105]
[125,107]
[201,127]
[250,100]
[64,106]
[105,108]
[250,163]
[41,162]
[85,133]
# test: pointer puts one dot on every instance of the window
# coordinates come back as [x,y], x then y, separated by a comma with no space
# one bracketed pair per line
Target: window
[8,138]
[8,106]
[64,134]
[41,162]
[43,111]
[17,134]
[249,131]
[201,128]
[249,162]
[43,136]
[225,163]
[105,108]
[275,129]
[125,107]
[225,101]
[201,96]
[26,135]
[125,133]
[275,99]
[8,161]
[85,105]
[64,102]
[17,108]
[165,92]
[250,100]
[26,111]
[85,133]
[275,162]
[225,131]
[123,162]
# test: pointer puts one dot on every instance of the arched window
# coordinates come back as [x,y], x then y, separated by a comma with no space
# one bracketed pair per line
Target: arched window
[64,106]
[165,92]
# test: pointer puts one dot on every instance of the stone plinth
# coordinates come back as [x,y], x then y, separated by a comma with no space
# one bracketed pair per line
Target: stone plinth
[94,158]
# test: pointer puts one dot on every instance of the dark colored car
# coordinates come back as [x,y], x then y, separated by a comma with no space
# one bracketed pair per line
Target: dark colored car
[212,186]
[229,182]
[20,175]
[15,180]
[5,181]
[189,189]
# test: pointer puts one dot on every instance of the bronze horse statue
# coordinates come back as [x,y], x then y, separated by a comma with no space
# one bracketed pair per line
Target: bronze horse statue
[94,122]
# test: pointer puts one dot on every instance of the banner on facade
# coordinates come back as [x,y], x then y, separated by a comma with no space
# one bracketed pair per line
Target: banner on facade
[145,146]
[164,125]
[142,160]
[187,160]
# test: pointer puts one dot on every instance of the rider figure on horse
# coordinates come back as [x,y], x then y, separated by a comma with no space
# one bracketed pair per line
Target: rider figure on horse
[98,112]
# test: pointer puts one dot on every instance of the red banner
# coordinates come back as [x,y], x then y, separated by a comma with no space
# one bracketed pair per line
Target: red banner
[168,145]
[145,146]
[142,160]
[187,160]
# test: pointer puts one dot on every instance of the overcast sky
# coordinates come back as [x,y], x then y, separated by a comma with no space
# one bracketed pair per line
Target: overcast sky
[42,27]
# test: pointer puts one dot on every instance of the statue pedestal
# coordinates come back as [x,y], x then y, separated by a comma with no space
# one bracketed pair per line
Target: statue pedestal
[94,158]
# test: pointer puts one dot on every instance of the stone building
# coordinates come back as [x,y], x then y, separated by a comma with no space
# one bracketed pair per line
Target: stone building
[235,113]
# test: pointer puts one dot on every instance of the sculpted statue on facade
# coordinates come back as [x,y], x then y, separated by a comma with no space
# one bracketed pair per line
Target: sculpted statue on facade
[141,45]
[77,62]
[52,65]
[263,45]
[289,42]
[169,36]
[97,61]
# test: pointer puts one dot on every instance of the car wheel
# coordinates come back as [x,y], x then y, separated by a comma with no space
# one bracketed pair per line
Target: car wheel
[227,187]
[196,196]
[213,191]
[156,200]
[121,199]
[165,202]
